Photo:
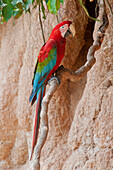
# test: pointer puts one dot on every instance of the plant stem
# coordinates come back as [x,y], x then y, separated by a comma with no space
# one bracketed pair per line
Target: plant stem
[41,25]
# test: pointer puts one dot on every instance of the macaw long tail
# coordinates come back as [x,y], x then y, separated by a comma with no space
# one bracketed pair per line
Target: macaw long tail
[40,95]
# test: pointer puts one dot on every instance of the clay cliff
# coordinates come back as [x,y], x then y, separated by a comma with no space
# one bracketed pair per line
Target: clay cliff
[80,114]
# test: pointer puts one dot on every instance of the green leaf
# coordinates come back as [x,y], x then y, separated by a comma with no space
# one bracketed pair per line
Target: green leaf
[34,6]
[6,1]
[43,9]
[29,11]
[57,4]
[27,4]
[19,5]
[37,2]
[7,11]
[24,1]
[62,1]
[33,1]
[1,3]
[54,5]
[17,14]
[14,2]
[87,11]
[46,1]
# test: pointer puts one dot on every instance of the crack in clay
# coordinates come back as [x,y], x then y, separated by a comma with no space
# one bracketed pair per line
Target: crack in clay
[96,114]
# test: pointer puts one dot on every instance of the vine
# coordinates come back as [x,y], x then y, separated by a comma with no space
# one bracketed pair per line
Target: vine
[15,8]
[41,25]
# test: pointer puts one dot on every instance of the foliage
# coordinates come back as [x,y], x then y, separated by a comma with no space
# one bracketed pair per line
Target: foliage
[15,8]
[54,5]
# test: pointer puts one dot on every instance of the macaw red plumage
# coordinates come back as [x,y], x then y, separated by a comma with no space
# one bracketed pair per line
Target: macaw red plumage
[49,59]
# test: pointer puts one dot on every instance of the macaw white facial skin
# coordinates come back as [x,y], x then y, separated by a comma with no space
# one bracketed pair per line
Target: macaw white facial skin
[63,29]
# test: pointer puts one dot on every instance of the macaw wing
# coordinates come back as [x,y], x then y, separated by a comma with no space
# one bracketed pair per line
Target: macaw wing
[46,61]
[37,64]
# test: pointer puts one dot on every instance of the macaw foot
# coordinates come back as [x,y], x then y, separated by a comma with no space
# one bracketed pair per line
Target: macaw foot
[53,78]
[55,74]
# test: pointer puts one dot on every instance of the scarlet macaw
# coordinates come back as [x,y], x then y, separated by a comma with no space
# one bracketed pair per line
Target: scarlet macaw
[49,59]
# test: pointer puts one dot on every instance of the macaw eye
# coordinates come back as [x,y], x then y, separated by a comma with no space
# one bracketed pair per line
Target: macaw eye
[62,26]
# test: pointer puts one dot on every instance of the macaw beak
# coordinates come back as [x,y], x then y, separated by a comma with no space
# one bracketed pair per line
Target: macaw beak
[71,30]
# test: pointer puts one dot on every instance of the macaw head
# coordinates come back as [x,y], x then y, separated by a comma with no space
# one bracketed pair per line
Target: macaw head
[62,30]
